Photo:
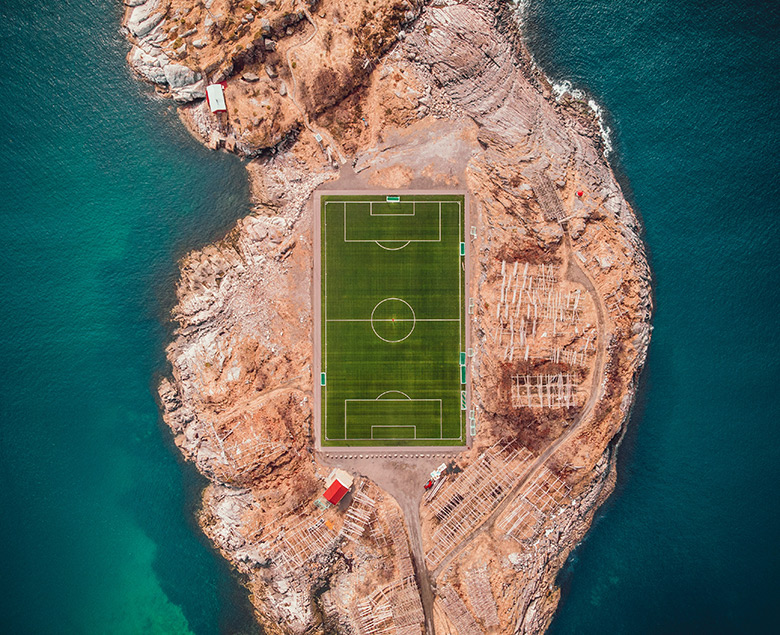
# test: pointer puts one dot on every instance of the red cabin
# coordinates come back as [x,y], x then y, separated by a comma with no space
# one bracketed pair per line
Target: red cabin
[337,486]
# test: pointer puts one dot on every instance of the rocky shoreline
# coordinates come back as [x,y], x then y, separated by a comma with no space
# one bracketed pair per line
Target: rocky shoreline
[408,95]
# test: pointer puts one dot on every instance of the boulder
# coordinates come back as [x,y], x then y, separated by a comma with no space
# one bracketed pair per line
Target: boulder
[191,92]
[186,85]
[576,227]
[179,76]
[550,234]
[250,77]
[215,140]
[144,17]
[149,66]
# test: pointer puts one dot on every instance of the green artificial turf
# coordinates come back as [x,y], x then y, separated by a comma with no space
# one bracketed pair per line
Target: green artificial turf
[393,325]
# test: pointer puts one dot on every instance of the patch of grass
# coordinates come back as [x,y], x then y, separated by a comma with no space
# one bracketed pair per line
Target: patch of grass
[392,320]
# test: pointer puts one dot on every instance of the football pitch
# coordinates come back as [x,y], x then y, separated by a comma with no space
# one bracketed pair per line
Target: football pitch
[392,320]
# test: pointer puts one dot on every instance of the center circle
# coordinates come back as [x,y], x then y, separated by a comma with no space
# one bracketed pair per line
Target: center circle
[393,320]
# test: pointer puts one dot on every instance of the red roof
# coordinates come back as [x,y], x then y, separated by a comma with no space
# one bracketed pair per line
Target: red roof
[335,492]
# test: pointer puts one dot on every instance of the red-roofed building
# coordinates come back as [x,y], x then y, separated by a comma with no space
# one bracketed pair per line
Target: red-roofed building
[337,486]
[215,96]
[335,493]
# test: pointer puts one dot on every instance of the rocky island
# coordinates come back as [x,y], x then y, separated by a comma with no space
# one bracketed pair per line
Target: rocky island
[394,96]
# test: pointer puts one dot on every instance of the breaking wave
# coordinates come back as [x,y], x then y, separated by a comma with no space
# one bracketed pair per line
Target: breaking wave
[561,88]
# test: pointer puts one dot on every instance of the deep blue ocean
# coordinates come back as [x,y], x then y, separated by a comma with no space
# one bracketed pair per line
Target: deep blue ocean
[103,190]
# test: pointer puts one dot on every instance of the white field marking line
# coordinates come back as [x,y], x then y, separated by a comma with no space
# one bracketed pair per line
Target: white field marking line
[460,438]
[390,240]
[460,301]
[441,416]
[393,438]
[324,309]
[375,399]
[387,392]
[372,202]
[414,320]
[414,207]
[396,320]
[392,248]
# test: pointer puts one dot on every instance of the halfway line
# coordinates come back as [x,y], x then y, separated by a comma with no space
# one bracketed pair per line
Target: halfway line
[399,320]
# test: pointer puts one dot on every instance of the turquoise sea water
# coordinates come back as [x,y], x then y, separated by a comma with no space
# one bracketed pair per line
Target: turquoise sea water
[102,190]
[688,544]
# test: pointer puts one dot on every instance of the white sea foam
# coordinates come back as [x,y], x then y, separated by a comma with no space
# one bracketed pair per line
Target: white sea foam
[559,89]
[521,7]
[564,87]
[603,128]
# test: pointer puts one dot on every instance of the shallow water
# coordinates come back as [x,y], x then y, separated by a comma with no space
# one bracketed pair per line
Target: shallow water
[688,542]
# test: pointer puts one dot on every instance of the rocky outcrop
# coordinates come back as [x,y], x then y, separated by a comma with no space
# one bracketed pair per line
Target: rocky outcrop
[147,57]
[308,57]
[447,99]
